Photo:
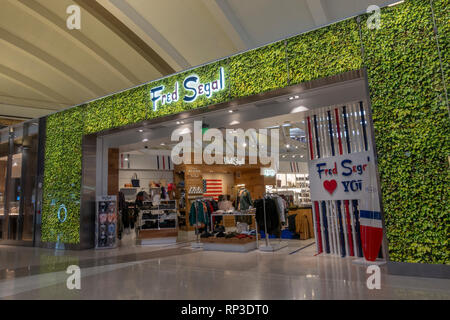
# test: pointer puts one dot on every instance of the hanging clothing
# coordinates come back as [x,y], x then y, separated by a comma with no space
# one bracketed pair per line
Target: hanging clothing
[272,216]
[305,231]
[291,223]
[198,212]
[244,200]
[280,208]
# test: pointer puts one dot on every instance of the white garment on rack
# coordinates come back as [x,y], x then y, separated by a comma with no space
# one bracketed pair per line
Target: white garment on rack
[280,207]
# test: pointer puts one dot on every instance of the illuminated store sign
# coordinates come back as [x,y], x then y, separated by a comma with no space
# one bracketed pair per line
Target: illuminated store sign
[268,172]
[193,89]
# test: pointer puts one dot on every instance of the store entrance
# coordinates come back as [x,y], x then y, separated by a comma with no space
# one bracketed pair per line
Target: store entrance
[234,205]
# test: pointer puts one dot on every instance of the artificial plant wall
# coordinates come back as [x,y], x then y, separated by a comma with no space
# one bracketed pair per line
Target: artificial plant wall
[410,118]
[412,131]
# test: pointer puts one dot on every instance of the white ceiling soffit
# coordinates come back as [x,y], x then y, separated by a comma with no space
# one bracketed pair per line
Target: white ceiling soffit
[45,67]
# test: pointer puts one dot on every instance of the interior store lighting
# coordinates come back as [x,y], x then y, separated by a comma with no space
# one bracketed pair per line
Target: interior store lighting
[299,109]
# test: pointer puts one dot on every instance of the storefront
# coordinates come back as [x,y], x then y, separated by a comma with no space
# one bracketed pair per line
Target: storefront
[361,115]
[224,204]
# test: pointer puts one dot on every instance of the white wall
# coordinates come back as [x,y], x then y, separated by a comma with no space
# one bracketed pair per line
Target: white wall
[146,168]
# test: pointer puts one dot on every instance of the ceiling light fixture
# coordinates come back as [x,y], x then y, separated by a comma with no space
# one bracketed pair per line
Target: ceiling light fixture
[145,140]
[140,130]
[163,144]
[299,109]
[234,123]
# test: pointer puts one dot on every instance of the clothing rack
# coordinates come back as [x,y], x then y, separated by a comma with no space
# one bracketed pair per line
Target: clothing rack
[197,243]
[270,247]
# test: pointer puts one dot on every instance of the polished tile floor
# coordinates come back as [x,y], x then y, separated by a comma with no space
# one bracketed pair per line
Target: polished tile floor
[179,272]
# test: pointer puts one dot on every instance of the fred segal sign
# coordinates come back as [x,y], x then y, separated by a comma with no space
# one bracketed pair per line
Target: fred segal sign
[342,177]
[193,89]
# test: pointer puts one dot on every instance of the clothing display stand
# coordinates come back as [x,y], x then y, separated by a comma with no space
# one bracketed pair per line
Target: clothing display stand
[158,231]
[268,246]
[233,247]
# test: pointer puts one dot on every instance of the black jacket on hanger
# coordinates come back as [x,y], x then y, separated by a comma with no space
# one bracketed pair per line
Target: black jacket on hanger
[272,217]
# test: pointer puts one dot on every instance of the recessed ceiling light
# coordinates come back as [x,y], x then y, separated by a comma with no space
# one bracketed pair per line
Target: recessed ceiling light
[301,156]
[299,109]
[145,140]
[163,144]
[288,146]
[293,156]
[296,97]
[233,123]
[244,144]
[126,159]
[230,111]
[178,122]
[140,130]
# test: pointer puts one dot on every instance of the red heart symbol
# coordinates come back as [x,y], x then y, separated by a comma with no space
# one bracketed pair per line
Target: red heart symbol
[330,185]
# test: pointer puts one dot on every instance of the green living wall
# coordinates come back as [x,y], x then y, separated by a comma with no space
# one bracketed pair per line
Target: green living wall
[409,109]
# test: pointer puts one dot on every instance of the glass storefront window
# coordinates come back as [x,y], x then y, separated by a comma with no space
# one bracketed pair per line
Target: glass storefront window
[18,170]
[13,197]
[4,150]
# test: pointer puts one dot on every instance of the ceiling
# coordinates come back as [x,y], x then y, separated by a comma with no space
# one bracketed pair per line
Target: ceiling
[45,67]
